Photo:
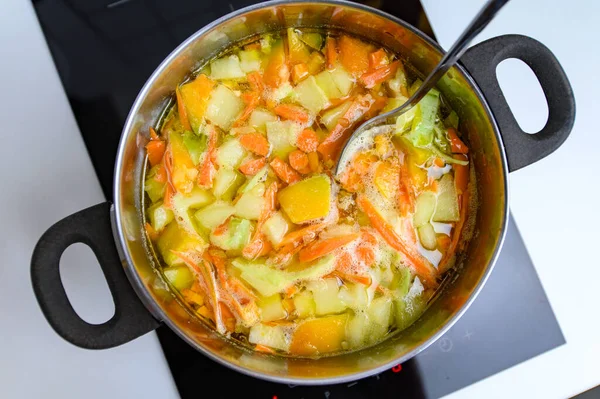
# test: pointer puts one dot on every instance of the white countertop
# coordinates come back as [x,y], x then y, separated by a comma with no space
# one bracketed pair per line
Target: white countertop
[43,153]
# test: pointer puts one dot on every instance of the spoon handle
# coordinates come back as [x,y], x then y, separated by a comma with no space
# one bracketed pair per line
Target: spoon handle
[483,18]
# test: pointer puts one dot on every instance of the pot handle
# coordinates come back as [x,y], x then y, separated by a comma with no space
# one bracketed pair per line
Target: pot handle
[523,149]
[92,227]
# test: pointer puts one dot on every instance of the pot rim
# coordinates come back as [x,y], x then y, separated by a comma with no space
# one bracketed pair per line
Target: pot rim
[156,311]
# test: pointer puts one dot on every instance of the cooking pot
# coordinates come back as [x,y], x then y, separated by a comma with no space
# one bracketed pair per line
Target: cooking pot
[116,235]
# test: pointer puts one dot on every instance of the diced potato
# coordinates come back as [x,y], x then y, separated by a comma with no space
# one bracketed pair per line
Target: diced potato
[183,204]
[326,82]
[231,154]
[282,92]
[357,329]
[319,336]
[427,236]
[250,60]
[310,95]
[315,63]
[271,336]
[259,177]
[271,308]
[304,304]
[282,137]
[251,203]
[160,216]
[343,80]
[447,201]
[226,183]
[223,107]
[275,228]
[214,214]
[424,208]
[154,189]
[326,295]
[394,103]
[259,118]
[227,67]
[331,116]
[306,200]
[180,277]
[380,316]
[177,239]
[354,296]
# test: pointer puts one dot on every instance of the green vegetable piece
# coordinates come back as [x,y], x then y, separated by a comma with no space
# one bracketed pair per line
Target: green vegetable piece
[447,201]
[271,308]
[421,134]
[312,39]
[160,216]
[236,236]
[427,236]
[195,144]
[174,238]
[227,67]
[214,214]
[282,137]
[184,204]
[424,208]
[451,120]
[310,95]
[153,188]
[326,295]
[231,154]
[180,277]
[227,182]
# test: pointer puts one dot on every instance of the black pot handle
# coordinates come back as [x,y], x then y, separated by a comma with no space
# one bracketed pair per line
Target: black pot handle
[523,149]
[92,227]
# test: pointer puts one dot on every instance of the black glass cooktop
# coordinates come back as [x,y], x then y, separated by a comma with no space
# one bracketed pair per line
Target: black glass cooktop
[104,51]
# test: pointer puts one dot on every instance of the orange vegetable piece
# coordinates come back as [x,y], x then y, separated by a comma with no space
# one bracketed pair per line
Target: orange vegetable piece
[292,112]
[256,81]
[366,255]
[405,196]
[299,72]
[259,245]
[253,46]
[325,246]
[299,161]
[386,179]
[155,150]
[439,162]
[195,95]
[284,171]
[183,117]
[461,174]
[373,78]
[319,336]
[378,59]
[277,71]
[313,162]
[252,167]
[387,232]
[354,55]
[152,234]
[264,349]
[354,278]
[458,147]
[256,143]
[153,135]
[207,168]
[307,233]
[331,52]
[307,140]
[252,99]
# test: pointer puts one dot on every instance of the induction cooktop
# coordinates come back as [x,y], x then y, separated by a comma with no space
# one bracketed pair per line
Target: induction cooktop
[104,51]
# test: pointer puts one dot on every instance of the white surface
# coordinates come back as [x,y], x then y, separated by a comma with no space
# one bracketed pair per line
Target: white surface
[47,175]
[553,201]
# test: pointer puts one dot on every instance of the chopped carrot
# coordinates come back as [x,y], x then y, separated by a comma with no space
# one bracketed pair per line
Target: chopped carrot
[155,150]
[207,170]
[325,246]
[253,46]
[433,185]
[252,99]
[259,245]
[366,255]
[439,162]
[313,162]
[264,349]
[152,234]
[458,147]
[307,140]
[368,238]
[153,135]
[256,143]
[256,81]
[252,167]
[292,112]
[332,144]
[284,171]
[372,78]
[421,266]
[461,174]
[354,54]
[405,197]
[181,110]
[378,59]
[228,317]
[277,71]
[443,241]
[304,234]
[299,72]
[331,52]
[299,161]
[221,229]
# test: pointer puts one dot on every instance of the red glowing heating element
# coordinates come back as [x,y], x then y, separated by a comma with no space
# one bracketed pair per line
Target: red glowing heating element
[397,368]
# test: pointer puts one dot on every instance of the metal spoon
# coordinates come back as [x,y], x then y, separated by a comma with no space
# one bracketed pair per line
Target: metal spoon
[483,18]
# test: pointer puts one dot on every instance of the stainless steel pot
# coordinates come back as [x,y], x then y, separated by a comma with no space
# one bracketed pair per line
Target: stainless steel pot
[497,144]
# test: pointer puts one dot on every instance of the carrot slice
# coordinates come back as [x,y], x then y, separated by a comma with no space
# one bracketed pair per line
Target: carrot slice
[299,72]
[256,81]
[458,147]
[325,246]
[354,54]
[331,52]
[307,140]
[421,266]
[461,174]
[181,110]
[313,162]
[256,143]
[155,150]
[153,135]
[292,112]
[207,170]
[378,59]
[299,161]
[252,167]
[373,78]
[284,171]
